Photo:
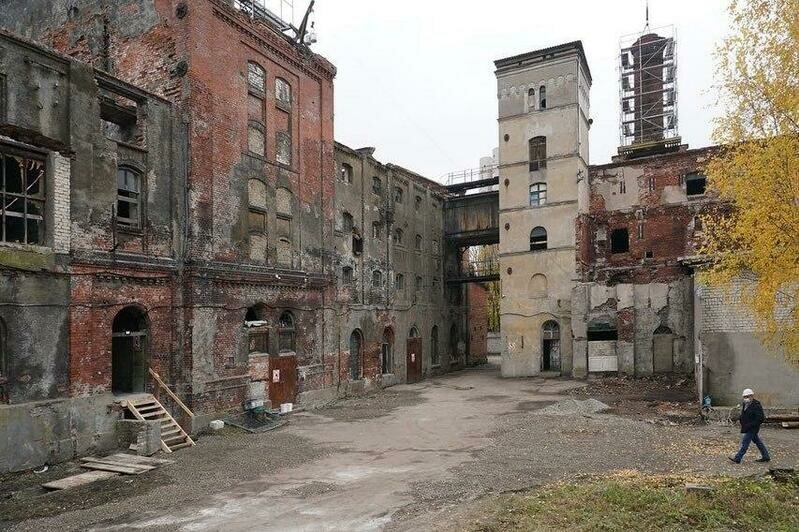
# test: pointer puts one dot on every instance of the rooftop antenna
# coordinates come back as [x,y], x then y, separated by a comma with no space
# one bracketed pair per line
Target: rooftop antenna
[301,33]
[647,15]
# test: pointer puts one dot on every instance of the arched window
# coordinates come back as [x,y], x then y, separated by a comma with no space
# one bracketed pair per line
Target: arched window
[398,234]
[435,358]
[284,202]
[286,333]
[256,77]
[377,185]
[128,195]
[538,286]
[377,278]
[551,330]
[347,222]
[531,100]
[538,239]
[538,194]
[538,153]
[542,97]
[282,91]
[662,329]
[399,282]
[256,142]
[387,352]
[346,173]
[398,194]
[347,275]
[413,333]
[418,243]
[356,354]
[284,253]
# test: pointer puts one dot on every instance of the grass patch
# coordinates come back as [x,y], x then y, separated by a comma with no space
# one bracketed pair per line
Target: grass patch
[650,503]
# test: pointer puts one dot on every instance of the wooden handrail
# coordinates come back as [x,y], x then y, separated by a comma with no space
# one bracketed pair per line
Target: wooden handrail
[169,392]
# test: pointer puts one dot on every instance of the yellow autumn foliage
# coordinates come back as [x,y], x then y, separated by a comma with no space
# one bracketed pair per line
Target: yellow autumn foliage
[757,168]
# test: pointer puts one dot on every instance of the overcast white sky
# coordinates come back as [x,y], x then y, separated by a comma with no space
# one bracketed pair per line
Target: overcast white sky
[416,78]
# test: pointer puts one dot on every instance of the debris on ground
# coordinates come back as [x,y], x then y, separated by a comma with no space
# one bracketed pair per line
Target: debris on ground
[573,407]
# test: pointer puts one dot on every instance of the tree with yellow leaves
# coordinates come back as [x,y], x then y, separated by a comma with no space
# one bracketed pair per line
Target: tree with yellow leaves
[757,168]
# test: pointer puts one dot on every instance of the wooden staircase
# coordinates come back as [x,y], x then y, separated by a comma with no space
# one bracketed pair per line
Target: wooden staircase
[148,408]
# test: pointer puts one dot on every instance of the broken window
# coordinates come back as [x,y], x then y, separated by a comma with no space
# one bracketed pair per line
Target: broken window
[418,243]
[399,282]
[283,148]
[398,234]
[398,193]
[357,243]
[283,92]
[256,78]
[418,202]
[695,184]
[377,185]
[257,329]
[538,194]
[377,278]
[256,142]
[619,240]
[22,198]
[542,97]
[347,275]
[538,153]
[538,239]
[119,118]
[346,173]
[128,193]
[602,333]
[377,230]
[286,333]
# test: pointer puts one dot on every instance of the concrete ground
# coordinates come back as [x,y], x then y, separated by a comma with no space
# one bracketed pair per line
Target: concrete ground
[410,458]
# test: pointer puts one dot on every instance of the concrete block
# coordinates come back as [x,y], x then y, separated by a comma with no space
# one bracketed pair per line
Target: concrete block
[580,358]
[625,295]
[143,436]
[626,355]
[600,294]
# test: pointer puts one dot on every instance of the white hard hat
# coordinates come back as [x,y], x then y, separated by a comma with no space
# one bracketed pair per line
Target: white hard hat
[748,391]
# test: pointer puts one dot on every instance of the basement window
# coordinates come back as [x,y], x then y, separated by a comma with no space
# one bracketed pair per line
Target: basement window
[620,240]
[695,184]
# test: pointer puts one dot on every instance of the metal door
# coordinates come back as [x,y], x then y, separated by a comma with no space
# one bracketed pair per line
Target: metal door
[413,360]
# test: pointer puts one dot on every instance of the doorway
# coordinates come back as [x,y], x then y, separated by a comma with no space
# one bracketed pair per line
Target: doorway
[550,359]
[129,351]
[413,357]
[663,350]
[356,354]
[387,352]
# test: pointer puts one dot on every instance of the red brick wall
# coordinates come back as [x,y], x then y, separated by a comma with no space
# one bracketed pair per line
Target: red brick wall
[477,299]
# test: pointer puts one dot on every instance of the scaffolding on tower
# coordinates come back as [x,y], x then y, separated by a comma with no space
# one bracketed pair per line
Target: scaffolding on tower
[648,90]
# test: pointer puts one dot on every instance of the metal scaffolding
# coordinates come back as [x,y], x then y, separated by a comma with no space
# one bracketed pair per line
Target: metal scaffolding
[648,87]
[279,12]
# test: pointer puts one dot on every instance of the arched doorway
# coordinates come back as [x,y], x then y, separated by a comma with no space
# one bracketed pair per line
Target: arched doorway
[387,352]
[550,354]
[129,351]
[356,354]
[413,356]
[663,350]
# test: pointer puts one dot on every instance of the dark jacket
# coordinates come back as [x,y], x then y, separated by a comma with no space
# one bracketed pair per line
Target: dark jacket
[751,417]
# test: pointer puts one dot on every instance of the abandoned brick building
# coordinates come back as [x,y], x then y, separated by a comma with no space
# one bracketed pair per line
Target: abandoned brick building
[182,208]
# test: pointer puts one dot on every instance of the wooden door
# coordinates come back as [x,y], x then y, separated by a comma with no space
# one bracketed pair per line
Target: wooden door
[282,379]
[413,360]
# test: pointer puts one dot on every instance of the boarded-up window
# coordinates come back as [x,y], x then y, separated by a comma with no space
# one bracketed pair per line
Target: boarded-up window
[258,245]
[255,139]
[537,286]
[282,91]
[284,253]
[284,201]
[257,191]
[255,107]
[283,148]
[256,77]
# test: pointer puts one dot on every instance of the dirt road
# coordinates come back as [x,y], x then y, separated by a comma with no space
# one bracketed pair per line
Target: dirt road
[411,457]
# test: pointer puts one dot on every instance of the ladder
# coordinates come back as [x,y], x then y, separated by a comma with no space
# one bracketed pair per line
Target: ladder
[148,408]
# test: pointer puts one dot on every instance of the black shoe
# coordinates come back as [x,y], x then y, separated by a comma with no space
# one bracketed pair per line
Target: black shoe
[762,460]
[734,460]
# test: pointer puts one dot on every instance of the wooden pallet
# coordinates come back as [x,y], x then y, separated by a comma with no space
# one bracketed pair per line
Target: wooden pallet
[147,408]
[107,467]
[76,481]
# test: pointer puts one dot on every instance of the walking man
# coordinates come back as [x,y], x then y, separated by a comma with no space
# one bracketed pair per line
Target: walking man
[751,418]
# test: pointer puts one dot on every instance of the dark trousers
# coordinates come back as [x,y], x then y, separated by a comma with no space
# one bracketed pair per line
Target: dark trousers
[748,438]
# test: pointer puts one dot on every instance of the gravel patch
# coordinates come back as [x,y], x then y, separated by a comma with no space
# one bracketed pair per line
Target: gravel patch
[573,407]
